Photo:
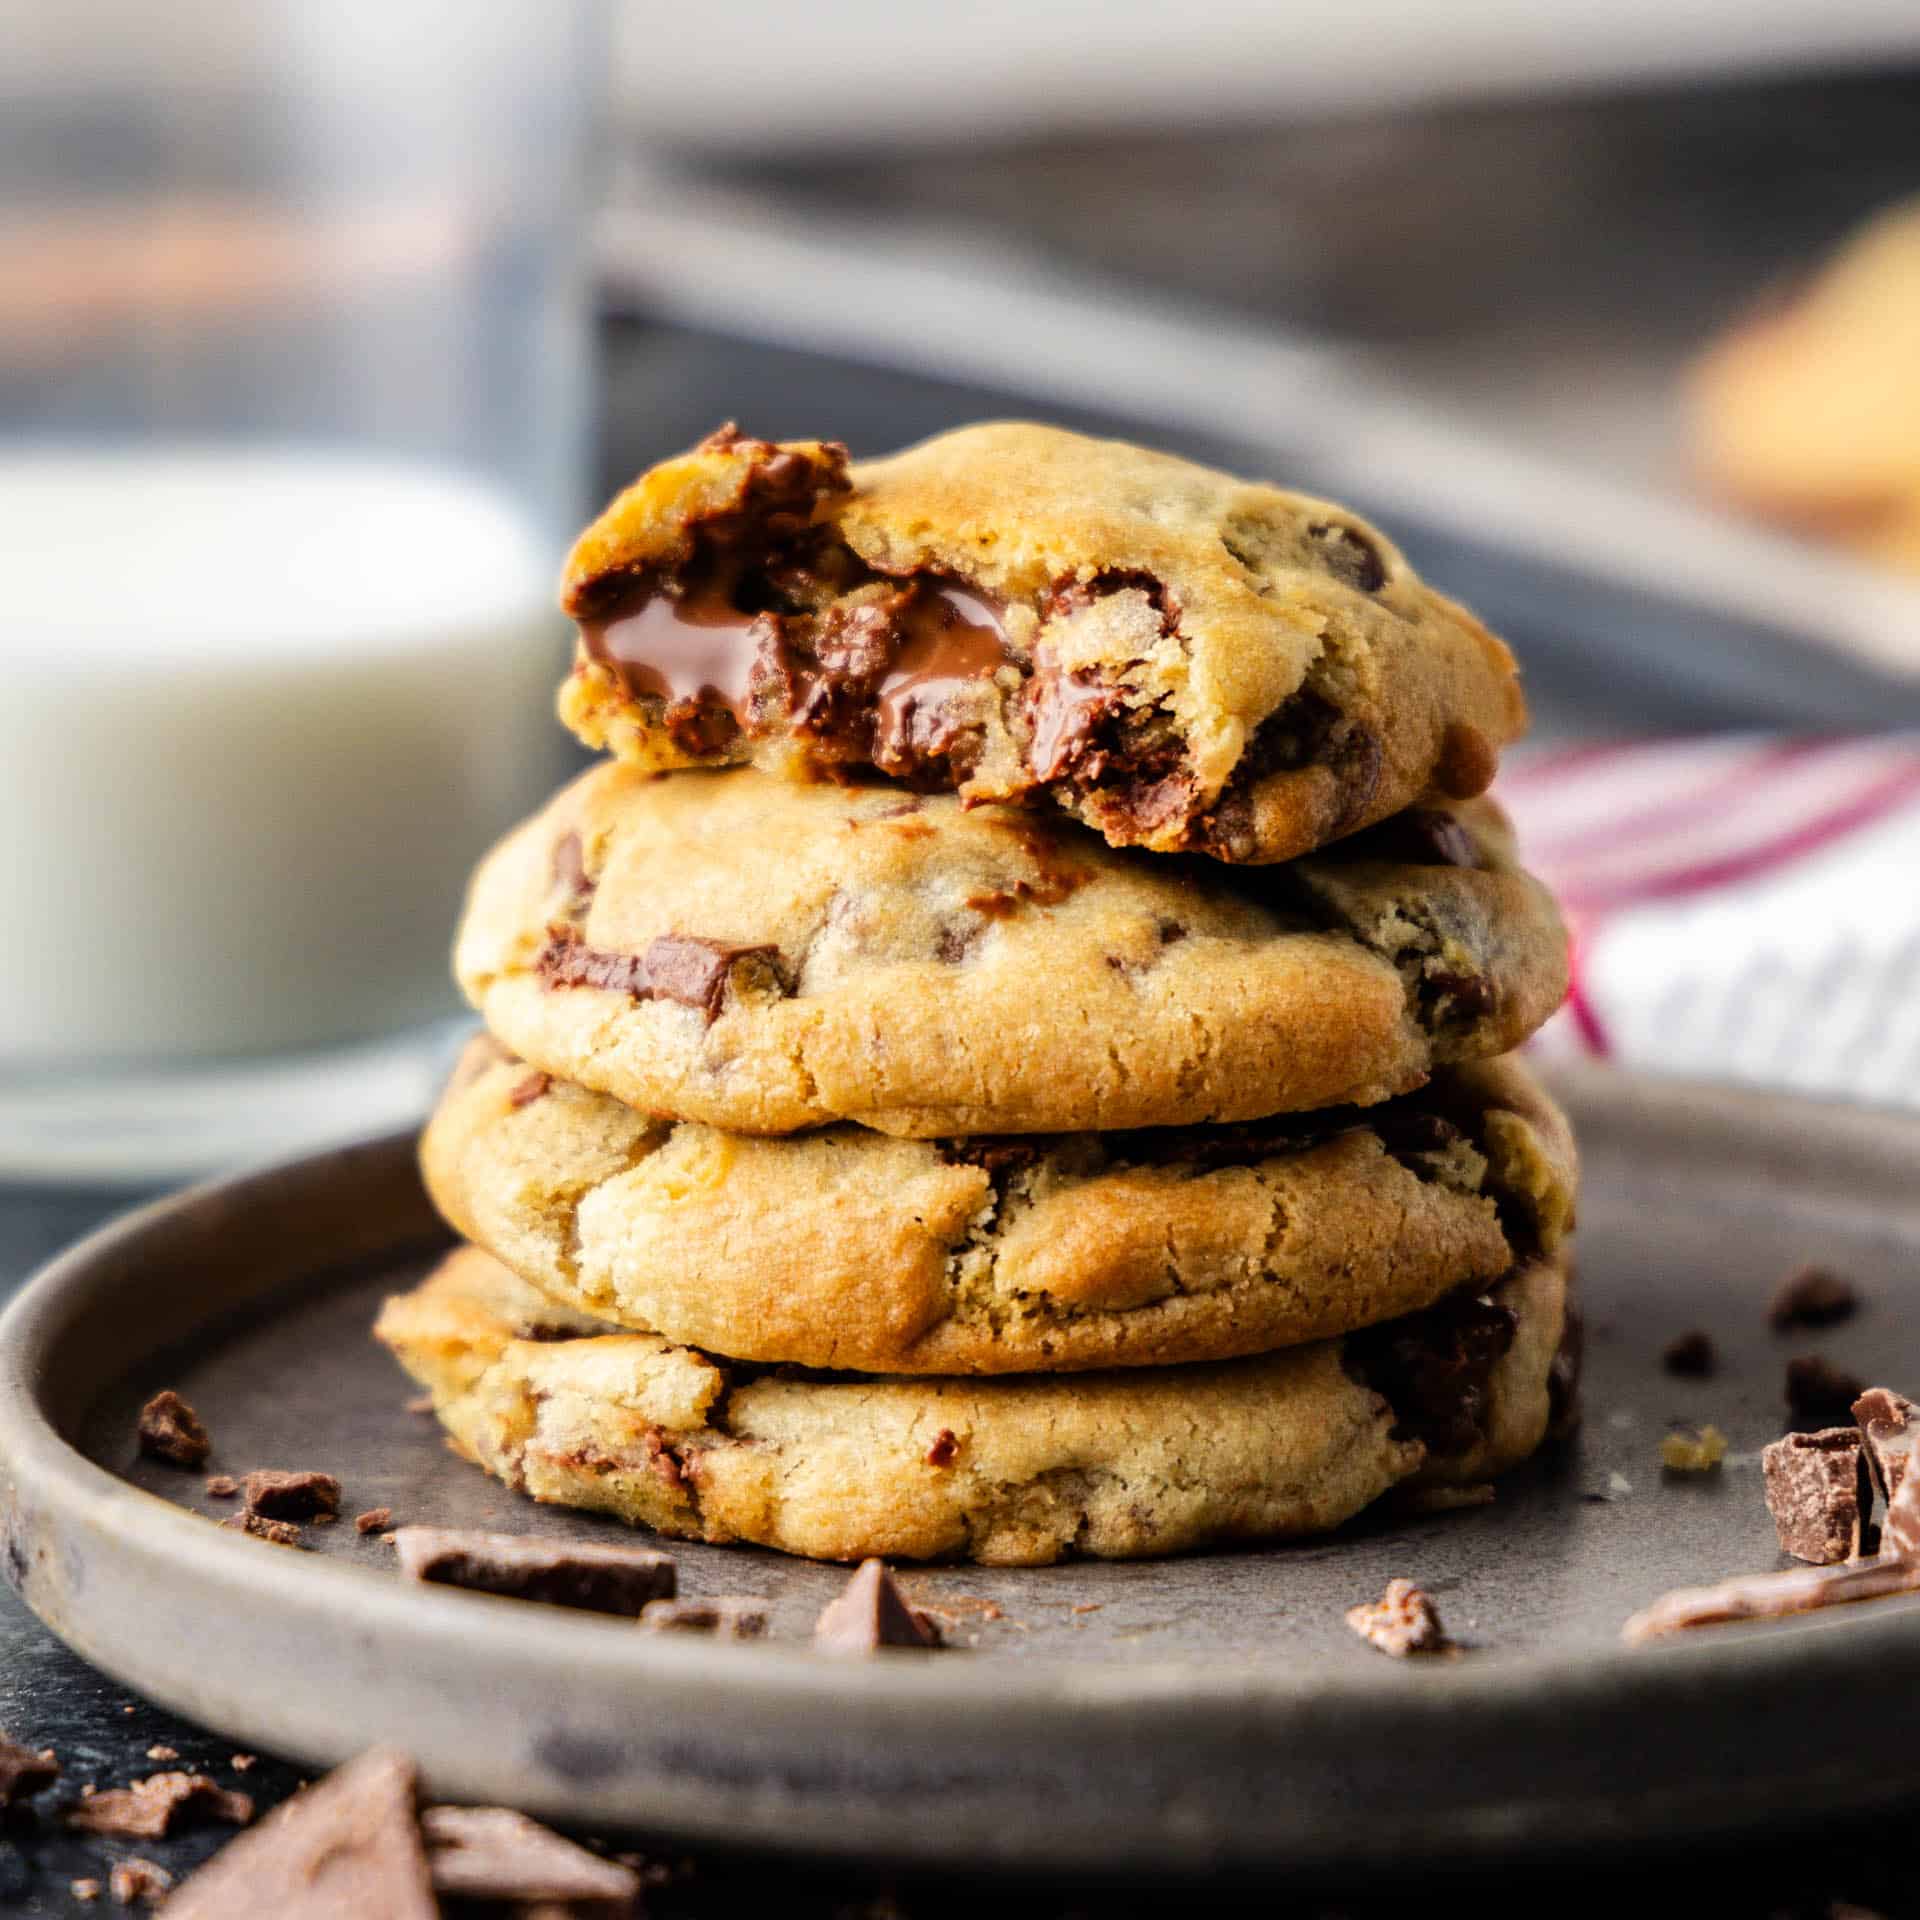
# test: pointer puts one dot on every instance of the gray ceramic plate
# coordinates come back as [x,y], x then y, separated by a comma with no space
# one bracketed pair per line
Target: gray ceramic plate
[1210,1710]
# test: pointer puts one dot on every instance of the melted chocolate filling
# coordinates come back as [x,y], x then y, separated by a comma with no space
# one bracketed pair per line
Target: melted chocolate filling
[1432,1368]
[676,966]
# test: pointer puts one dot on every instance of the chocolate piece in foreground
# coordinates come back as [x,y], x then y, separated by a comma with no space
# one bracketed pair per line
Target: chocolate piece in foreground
[1900,1530]
[1889,1423]
[724,1617]
[1402,1621]
[871,1612]
[1773,1596]
[291,1496]
[24,1771]
[1813,1297]
[170,1430]
[596,1577]
[1818,1390]
[349,1845]
[493,1853]
[150,1809]
[1691,1355]
[374,1520]
[1819,1494]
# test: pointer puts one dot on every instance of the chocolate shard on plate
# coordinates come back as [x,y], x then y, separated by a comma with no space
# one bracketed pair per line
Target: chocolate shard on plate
[349,1845]
[1773,1596]
[724,1617]
[1819,1494]
[599,1577]
[1812,1297]
[170,1430]
[1889,1423]
[1818,1390]
[493,1853]
[25,1771]
[1402,1621]
[1691,1355]
[150,1809]
[871,1612]
[291,1496]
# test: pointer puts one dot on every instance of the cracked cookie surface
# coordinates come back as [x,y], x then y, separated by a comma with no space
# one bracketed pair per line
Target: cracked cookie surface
[766,956]
[1182,660]
[1019,1471]
[844,1249]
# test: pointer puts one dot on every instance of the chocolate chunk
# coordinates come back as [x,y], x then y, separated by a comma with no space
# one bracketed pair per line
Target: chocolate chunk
[1402,1621]
[1467,763]
[946,1446]
[991,1155]
[222,1486]
[24,1771]
[1889,1423]
[595,1576]
[139,1880]
[1446,994]
[1691,1355]
[570,870]
[493,1853]
[724,1617]
[281,1533]
[676,966]
[1812,1297]
[1419,837]
[349,1845]
[1818,1390]
[523,1093]
[291,1496]
[1819,1494]
[1432,1368]
[150,1809]
[374,1520]
[1772,1596]
[170,1430]
[871,1612]
[1349,556]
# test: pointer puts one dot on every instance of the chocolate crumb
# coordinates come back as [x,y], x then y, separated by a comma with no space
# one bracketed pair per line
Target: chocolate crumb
[281,1533]
[292,1496]
[1690,1449]
[222,1486]
[139,1880]
[349,1845]
[170,1430]
[150,1809]
[870,1613]
[374,1520]
[493,1853]
[1818,1390]
[525,1092]
[1402,1621]
[1812,1297]
[725,1617]
[25,1771]
[85,1891]
[945,1446]
[1819,1494]
[1691,1355]
[162,1753]
[599,1577]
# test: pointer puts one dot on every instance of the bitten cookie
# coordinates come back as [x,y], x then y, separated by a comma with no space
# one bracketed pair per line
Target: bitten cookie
[1011,1472]
[845,1249]
[1182,660]
[765,956]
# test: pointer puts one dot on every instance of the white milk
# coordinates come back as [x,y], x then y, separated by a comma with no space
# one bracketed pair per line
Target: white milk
[261,711]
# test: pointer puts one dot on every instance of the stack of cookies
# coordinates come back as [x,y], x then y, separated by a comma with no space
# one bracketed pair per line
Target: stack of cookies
[1008,1057]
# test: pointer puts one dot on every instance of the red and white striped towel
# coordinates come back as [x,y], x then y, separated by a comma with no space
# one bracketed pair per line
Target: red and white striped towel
[1742,908]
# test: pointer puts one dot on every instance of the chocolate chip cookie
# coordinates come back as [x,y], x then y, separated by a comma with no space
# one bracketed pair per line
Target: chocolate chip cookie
[842,1248]
[1010,1472]
[1182,660]
[764,956]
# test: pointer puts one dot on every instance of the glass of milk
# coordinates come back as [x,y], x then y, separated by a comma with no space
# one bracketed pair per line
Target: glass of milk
[294,350]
